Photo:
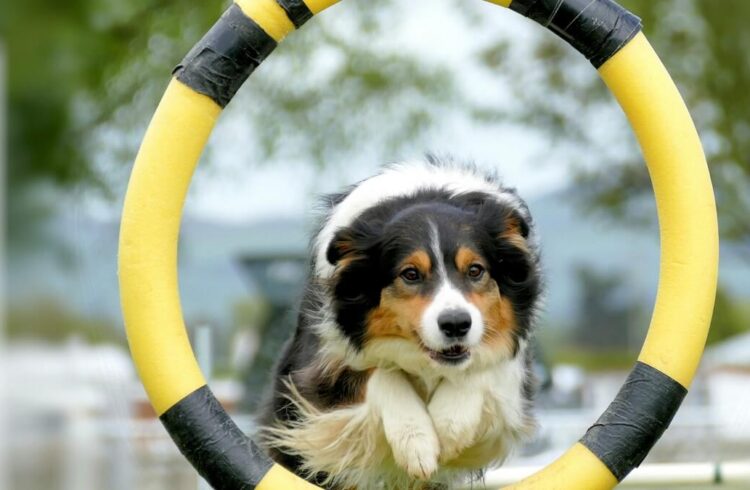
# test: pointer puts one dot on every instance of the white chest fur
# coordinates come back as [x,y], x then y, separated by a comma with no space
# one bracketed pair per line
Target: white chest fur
[411,428]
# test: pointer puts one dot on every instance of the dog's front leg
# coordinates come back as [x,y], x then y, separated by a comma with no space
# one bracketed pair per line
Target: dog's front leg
[407,426]
[456,412]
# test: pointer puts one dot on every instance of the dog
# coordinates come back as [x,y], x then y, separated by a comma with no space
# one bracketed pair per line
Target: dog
[410,364]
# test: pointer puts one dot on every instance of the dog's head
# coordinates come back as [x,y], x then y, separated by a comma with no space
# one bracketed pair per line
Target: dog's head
[451,275]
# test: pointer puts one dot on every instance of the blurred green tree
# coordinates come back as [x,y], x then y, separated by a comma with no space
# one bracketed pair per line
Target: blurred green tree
[731,317]
[609,318]
[54,321]
[71,68]
[611,322]
[703,43]
[85,76]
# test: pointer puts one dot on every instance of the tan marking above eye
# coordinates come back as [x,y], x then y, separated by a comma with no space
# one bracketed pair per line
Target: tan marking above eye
[465,257]
[420,260]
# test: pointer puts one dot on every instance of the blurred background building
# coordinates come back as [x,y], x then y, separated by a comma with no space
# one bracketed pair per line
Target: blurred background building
[354,89]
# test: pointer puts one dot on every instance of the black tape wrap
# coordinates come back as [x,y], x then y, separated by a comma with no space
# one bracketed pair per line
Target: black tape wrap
[297,11]
[229,52]
[596,28]
[213,444]
[635,420]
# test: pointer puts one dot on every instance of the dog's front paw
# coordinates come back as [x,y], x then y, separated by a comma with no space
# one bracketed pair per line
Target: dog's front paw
[454,437]
[415,448]
[407,425]
[456,418]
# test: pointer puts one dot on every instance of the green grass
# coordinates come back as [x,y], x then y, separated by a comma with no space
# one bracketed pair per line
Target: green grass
[51,321]
[590,360]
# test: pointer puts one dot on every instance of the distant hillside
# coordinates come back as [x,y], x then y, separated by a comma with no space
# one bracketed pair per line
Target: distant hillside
[570,238]
[211,280]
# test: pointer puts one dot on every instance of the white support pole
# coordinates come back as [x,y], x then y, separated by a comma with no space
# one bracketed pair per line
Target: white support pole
[202,341]
[204,349]
[4,477]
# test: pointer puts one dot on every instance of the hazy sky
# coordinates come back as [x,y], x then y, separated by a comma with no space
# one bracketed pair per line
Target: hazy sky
[234,189]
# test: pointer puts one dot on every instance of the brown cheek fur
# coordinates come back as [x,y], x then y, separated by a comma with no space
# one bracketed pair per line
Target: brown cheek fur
[399,314]
[400,311]
[497,311]
[498,315]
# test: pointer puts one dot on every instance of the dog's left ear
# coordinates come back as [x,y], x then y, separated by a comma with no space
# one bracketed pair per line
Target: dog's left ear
[495,217]
[502,221]
[515,231]
[509,251]
[516,224]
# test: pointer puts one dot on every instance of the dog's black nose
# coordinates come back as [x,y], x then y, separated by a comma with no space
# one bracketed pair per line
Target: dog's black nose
[454,323]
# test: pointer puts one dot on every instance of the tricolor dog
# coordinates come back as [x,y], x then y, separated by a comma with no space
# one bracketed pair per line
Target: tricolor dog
[409,367]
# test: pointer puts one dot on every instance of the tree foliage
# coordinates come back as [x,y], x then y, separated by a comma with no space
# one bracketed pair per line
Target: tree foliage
[608,316]
[703,43]
[85,76]
[731,317]
[52,320]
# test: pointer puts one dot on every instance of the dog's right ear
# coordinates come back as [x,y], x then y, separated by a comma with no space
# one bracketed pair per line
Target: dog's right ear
[341,246]
[353,243]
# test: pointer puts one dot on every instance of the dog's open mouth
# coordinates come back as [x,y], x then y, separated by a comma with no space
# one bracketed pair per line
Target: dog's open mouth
[452,355]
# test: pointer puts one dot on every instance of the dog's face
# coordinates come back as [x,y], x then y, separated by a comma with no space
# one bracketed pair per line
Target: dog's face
[450,275]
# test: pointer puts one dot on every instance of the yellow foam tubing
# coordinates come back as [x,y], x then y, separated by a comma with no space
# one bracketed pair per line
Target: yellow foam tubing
[502,3]
[269,16]
[317,6]
[689,239]
[279,478]
[147,263]
[685,203]
[149,231]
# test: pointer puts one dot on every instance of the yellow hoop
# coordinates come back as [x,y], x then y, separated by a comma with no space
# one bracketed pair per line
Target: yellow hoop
[170,151]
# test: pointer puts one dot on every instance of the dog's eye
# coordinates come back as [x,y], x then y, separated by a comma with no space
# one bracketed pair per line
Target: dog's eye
[410,275]
[475,271]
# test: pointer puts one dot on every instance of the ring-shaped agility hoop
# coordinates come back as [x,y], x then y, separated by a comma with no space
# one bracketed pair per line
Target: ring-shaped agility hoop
[609,36]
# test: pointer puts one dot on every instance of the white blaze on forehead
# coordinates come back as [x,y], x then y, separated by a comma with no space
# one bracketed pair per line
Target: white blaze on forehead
[402,180]
[448,297]
[435,246]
